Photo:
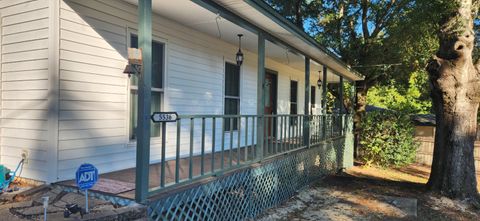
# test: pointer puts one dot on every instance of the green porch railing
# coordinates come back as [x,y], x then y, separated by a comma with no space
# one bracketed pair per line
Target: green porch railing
[209,145]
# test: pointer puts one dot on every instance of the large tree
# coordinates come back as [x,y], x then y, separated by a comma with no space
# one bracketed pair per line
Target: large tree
[455,91]
[357,31]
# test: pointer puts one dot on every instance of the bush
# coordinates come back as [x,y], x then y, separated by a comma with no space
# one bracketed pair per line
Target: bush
[387,139]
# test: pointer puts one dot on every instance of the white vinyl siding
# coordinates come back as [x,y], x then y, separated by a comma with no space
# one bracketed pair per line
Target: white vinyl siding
[24,85]
[92,103]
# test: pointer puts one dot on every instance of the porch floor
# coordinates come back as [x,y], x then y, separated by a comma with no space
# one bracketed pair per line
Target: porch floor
[231,160]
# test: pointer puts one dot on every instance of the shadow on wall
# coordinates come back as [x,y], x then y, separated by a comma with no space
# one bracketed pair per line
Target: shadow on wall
[93,95]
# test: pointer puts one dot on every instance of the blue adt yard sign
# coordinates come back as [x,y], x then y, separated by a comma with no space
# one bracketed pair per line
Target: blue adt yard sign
[86,176]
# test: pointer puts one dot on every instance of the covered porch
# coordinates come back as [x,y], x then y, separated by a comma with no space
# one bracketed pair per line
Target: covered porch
[245,139]
[236,152]
[207,144]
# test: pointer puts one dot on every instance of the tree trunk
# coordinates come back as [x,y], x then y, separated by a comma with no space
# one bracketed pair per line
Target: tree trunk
[455,93]
[360,106]
[298,14]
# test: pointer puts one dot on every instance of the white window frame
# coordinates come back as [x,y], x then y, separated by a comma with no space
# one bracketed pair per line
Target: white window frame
[239,98]
[157,139]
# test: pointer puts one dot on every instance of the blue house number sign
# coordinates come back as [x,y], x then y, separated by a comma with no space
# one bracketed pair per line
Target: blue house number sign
[86,176]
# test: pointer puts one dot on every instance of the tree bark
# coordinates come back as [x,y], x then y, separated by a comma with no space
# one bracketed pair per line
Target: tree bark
[454,84]
[360,109]
[298,14]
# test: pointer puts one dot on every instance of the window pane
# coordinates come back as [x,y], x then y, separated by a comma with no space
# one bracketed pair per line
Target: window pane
[133,113]
[157,65]
[267,90]
[232,80]
[293,108]
[156,101]
[155,107]
[157,62]
[312,97]
[231,108]
[133,44]
[293,91]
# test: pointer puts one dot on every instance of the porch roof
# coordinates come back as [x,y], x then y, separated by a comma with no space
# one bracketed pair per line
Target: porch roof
[286,42]
[262,15]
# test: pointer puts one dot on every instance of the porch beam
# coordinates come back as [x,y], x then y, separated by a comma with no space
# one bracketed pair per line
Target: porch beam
[324,90]
[324,102]
[306,121]
[340,96]
[144,97]
[260,94]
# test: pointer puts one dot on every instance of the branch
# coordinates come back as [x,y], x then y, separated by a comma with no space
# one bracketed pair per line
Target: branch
[389,16]
[364,6]
[380,18]
[475,6]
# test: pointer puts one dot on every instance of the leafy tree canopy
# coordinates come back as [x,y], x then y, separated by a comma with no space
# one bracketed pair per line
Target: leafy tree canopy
[390,42]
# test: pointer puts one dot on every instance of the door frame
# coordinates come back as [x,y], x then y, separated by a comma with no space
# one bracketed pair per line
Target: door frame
[275,77]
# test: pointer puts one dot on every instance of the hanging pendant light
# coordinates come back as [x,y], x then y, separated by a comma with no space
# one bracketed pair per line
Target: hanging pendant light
[319,82]
[239,56]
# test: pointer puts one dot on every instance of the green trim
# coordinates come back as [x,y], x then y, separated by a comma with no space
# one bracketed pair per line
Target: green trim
[324,90]
[340,96]
[306,107]
[260,94]
[144,97]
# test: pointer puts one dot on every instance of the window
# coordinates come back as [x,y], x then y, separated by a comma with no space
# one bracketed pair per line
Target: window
[157,87]
[232,94]
[312,98]
[293,101]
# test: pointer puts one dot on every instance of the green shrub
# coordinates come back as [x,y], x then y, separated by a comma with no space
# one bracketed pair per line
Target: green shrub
[387,139]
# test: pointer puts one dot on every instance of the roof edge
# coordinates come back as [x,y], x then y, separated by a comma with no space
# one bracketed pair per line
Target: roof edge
[268,11]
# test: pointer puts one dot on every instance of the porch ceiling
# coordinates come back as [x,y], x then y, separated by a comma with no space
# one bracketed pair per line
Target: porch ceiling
[192,15]
[259,13]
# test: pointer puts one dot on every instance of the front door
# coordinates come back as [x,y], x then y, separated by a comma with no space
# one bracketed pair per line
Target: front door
[270,101]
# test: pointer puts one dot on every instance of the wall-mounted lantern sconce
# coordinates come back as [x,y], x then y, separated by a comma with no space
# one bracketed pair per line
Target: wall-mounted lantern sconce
[132,69]
[319,82]
[134,65]
[239,56]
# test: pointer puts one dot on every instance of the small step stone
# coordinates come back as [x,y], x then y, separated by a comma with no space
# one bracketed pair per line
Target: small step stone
[74,198]
[5,214]
[51,197]
[38,210]
[17,205]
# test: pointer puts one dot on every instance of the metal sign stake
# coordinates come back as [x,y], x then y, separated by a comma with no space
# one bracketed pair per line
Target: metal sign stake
[86,177]
[86,200]
[45,207]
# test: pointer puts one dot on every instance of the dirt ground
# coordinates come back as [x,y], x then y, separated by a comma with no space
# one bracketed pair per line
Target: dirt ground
[372,194]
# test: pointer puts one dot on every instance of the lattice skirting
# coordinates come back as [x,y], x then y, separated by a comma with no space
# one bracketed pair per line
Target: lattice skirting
[247,193]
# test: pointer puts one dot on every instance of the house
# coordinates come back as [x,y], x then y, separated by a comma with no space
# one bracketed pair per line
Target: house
[65,99]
